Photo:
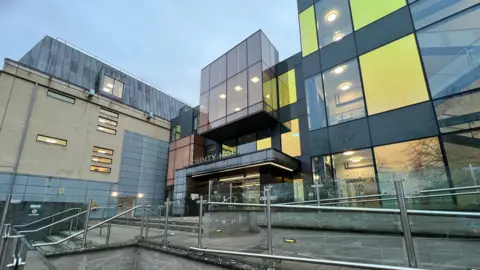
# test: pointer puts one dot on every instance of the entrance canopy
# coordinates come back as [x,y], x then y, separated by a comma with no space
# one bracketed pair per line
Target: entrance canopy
[268,157]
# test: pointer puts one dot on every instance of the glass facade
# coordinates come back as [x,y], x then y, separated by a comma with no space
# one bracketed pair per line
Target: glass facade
[390,86]
[291,138]
[450,53]
[365,12]
[343,93]
[308,31]
[333,21]
[315,102]
[232,86]
[287,88]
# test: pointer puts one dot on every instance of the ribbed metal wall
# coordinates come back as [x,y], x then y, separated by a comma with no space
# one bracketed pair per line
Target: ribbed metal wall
[67,63]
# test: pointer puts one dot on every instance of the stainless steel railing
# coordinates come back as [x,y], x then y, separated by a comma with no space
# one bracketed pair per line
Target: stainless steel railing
[45,218]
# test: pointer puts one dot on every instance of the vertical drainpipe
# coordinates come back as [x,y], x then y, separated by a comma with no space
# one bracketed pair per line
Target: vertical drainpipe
[19,155]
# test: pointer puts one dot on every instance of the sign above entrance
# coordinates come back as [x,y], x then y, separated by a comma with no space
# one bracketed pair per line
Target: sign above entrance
[213,157]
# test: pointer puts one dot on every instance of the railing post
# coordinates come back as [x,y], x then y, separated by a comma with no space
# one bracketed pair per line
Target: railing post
[148,225]
[200,223]
[87,220]
[70,229]
[101,227]
[407,234]
[109,229]
[165,230]
[142,220]
[269,226]
[209,192]
[50,231]
[230,197]
[5,230]
[76,223]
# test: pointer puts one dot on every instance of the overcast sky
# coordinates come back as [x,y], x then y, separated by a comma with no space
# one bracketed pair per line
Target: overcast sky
[164,42]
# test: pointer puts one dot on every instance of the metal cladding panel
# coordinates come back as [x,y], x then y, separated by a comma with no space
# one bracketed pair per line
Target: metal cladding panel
[67,63]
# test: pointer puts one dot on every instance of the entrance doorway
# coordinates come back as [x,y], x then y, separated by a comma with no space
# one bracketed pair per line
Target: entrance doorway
[124,204]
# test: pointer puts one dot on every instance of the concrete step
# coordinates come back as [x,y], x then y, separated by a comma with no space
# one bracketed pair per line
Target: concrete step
[68,245]
[49,249]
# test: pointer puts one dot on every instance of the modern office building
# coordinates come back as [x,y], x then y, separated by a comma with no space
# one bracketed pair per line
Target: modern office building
[73,127]
[382,90]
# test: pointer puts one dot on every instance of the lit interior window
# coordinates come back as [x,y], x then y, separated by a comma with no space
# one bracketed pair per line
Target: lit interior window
[112,86]
[100,169]
[105,121]
[51,140]
[101,160]
[101,150]
[107,130]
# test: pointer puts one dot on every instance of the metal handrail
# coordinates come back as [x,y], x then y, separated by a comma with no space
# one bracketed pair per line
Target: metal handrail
[386,195]
[57,222]
[87,229]
[54,215]
[358,209]
[306,260]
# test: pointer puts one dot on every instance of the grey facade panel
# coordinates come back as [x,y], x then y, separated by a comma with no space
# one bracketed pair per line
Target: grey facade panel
[409,123]
[338,52]
[383,31]
[303,4]
[60,60]
[311,65]
[349,135]
[319,142]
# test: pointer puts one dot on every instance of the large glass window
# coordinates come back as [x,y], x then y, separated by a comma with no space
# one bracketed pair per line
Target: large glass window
[254,48]
[333,21]
[451,54]
[458,112]
[348,174]
[203,116]
[205,79]
[112,86]
[218,71]
[217,105]
[237,93]
[255,84]
[308,31]
[270,90]
[287,88]
[237,59]
[291,138]
[393,76]
[315,102]
[426,12]
[419,163]
[463,156]
[365,12]
[343,92]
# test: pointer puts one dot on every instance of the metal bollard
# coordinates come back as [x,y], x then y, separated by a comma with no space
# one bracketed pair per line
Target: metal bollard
[50,231]
[101,227]
[200,223]
[269,227]
[148,225]
[109,229]
[142,221]
[87,220]
[407,234]
[165,230]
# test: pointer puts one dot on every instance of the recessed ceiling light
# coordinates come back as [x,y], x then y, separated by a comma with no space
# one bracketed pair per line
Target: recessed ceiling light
[339,70]
[267,96]
[338,37]
[255,79]
[109,85]
[223,96]
[331,16]
[356,159]
[114,194]
[107,89]
[238,88]
[349,153]
[345,86]
[237,109]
